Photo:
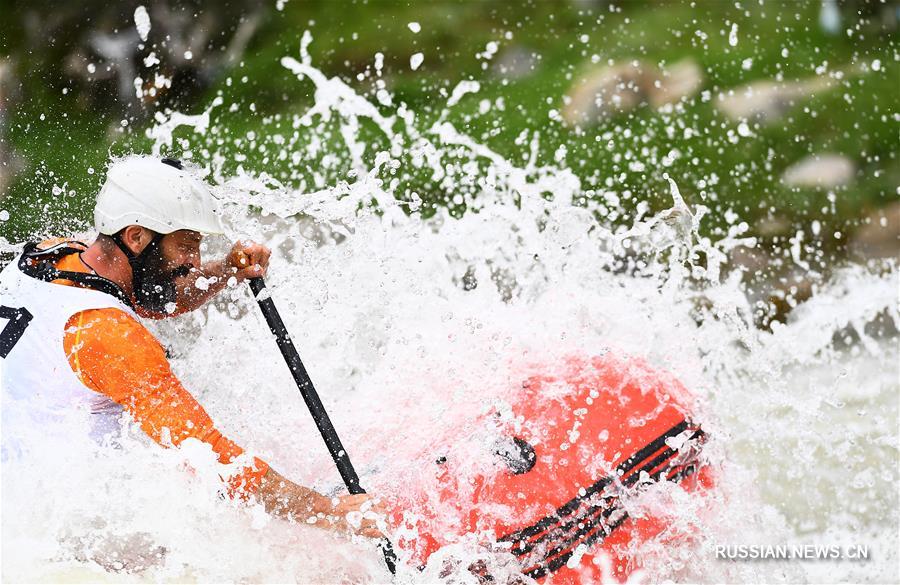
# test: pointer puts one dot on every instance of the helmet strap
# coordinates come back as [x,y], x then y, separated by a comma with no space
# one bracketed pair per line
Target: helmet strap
[138,261]
[132,257]
[117,238]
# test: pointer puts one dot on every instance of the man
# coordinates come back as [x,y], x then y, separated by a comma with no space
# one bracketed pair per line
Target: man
[74,340]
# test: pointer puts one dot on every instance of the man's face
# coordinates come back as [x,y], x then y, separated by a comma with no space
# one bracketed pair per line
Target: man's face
[180,252]
[162,264]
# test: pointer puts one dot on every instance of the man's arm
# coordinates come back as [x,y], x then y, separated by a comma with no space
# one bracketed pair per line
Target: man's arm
[115,355]
[245,260]
[348,513]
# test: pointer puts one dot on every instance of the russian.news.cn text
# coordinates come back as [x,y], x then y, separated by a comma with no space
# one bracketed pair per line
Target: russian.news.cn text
[792,552]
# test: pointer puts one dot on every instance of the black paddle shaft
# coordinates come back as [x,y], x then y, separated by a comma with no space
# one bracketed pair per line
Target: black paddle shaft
[301,377]
[313,403]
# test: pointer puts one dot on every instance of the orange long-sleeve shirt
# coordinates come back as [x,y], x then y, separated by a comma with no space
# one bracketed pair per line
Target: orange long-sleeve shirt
[113,354]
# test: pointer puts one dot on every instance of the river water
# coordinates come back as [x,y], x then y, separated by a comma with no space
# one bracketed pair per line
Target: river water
[412,328]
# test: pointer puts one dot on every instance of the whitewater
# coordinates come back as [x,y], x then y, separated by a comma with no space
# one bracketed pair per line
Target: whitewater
[414,327]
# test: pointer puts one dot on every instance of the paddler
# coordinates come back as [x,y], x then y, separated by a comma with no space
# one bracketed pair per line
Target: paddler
[72,332]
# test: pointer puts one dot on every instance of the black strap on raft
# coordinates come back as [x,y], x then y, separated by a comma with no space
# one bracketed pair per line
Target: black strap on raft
[316,408]
[39,263]
[595,513]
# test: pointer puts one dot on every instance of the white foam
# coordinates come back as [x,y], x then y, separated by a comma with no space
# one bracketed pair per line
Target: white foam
[142,22]
[412,327]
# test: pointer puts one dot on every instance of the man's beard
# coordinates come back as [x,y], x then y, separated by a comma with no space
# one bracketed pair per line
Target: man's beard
[154,287]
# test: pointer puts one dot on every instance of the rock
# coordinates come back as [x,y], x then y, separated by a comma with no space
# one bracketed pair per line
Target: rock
[750,260]
[515,62]
[825,171]
[879,236]
[614,89]
[795,288]
[9,163]
[118,49]
[682,80]
[858,15]
[772,225]
[767,101]
[590,4]
[601,94]
[830,17]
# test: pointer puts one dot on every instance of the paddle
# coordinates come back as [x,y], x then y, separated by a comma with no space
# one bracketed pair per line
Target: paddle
[316,409]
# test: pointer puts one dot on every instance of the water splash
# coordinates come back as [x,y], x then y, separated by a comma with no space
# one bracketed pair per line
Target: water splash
[412,327]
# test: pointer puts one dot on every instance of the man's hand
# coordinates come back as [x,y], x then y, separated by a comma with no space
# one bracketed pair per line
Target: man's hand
[358,514]
[247,260]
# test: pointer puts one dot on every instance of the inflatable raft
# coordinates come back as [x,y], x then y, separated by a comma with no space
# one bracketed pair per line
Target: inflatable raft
[569,453]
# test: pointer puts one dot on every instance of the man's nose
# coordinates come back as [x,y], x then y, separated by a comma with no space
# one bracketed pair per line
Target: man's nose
[193,260]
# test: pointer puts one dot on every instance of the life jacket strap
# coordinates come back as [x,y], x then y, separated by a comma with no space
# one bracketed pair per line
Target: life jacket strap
[39,263]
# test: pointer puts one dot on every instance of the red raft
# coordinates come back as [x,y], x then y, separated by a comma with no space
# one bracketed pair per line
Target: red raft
[567,456]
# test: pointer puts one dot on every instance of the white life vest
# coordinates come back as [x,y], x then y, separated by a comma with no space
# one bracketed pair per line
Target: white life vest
[38,384]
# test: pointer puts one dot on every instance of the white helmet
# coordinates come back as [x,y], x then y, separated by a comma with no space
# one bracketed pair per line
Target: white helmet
[158,194]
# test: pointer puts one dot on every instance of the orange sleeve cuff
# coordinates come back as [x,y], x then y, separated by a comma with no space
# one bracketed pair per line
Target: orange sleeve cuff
[242,485]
